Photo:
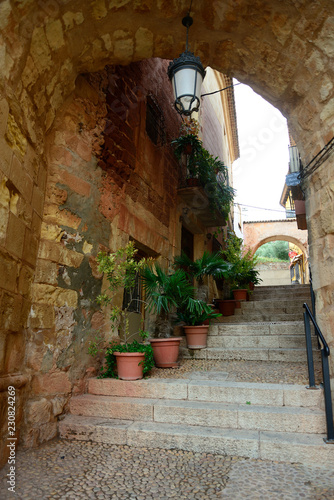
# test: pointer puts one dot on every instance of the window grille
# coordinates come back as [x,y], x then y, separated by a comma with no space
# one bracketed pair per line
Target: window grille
[155,123]
[132,298]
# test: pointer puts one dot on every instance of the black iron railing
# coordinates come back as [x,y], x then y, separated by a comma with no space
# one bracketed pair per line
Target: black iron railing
[312,295]
[325,352]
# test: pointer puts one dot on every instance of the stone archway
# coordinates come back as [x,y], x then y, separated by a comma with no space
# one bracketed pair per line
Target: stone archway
[283,50]
[259,233]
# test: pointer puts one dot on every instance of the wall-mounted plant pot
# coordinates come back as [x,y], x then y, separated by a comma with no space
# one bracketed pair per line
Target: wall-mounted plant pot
[166,351]
[300,207]
[196,336]
[240,294]
[192,182]
[300,214]
[130,365]
[226,307]
[188,149]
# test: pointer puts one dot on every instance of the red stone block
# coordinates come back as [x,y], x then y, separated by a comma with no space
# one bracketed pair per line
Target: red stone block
[51,383]
[75,183]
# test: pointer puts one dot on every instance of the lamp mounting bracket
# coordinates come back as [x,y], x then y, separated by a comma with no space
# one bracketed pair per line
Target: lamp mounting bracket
[187,21]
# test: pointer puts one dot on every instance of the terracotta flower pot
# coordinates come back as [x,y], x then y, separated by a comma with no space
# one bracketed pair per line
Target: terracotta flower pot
[196,336]
[240,294]
[226,307]
[192,182]
[188,149]
[130,365]
[166,351]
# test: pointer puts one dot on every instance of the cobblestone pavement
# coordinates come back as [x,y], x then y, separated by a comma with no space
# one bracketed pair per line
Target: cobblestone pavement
[274,372]
[72,470]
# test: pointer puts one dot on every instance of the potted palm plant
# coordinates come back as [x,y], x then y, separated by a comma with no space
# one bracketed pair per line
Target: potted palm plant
[197,324]
[165,292]
[125,359]
[210,264]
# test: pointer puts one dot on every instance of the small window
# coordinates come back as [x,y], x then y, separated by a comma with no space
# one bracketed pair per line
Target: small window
[155,123]
[132,299]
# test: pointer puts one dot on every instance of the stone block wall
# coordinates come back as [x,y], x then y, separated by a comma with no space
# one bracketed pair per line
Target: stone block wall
[22,185]
[107,182]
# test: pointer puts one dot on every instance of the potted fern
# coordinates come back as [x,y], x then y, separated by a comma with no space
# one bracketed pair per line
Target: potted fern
[127,360]
[205,170]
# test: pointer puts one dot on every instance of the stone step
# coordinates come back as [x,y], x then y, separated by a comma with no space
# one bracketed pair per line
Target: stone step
[266,445]
[283,287]
[221,391]
[289,355]
[262,316]
[287,293]
[259,341]
[223,415]
[260,328]
[268,314]
[287,306]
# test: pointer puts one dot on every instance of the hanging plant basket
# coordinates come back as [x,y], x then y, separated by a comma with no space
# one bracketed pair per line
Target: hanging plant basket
[192,182]
[188,149]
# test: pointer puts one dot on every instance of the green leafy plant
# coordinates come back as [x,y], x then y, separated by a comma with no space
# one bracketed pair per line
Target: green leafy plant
[242,265]
[188,144]
[210,264]
[196,317]
[210,171]
[109,370]
[165,292]
[121,270]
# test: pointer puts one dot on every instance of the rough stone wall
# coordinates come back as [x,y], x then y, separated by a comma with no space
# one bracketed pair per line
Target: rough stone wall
[320,220]
[22,180]
[274,273]
[283,49]
[66,281]
[106,182]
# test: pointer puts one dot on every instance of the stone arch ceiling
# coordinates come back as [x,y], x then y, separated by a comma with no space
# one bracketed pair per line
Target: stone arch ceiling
[283,49]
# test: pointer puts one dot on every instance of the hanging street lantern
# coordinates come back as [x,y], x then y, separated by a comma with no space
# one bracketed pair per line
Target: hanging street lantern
[186,74]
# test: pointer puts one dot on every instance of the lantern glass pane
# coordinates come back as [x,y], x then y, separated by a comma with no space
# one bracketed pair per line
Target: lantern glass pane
[186,87]
[199,85]
[185,81]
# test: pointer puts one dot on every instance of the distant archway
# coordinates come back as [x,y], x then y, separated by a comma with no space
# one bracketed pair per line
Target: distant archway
[257,234]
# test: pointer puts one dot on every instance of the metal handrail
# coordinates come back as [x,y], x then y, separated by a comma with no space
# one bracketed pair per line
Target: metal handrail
[325,353]
[312,293]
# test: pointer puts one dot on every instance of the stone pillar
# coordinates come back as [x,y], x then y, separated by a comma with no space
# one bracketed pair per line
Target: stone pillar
[320,219]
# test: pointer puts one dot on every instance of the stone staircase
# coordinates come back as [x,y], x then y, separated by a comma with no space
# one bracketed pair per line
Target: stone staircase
[269,327]
[207,413]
